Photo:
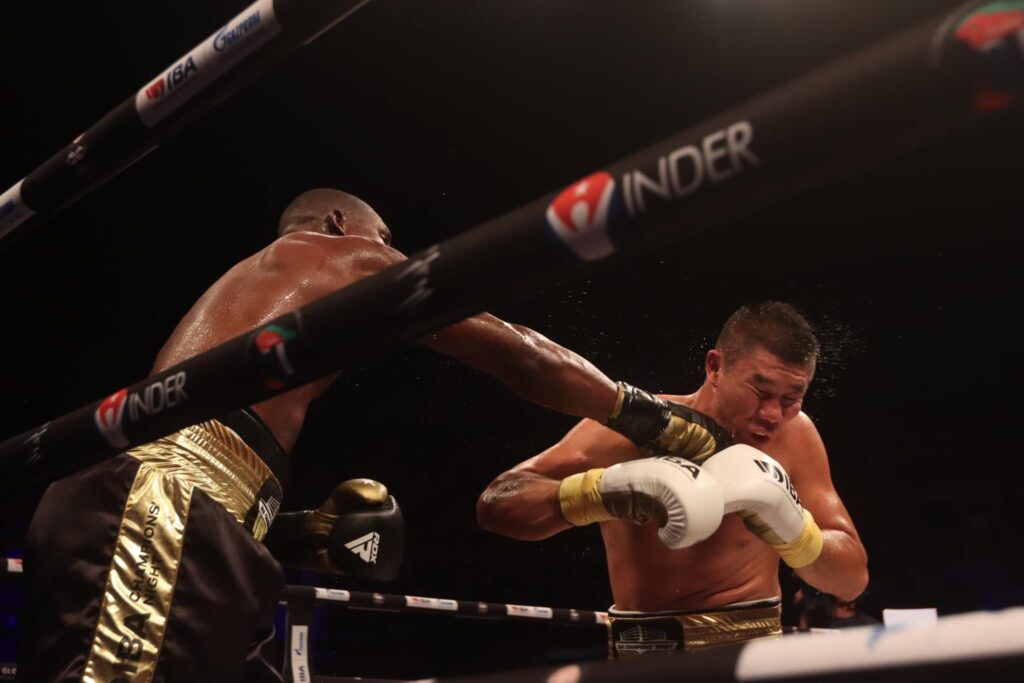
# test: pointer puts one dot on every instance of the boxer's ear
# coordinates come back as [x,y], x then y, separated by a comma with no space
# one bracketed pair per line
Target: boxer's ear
[713,366]
[334,223]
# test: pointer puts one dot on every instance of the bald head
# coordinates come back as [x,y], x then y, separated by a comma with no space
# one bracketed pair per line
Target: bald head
[332,212]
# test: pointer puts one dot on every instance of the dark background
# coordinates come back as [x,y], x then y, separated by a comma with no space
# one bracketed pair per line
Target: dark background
[445,114]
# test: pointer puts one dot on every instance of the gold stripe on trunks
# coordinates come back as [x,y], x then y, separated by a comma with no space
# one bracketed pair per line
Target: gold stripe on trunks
[214,458]
[140,585]
[144,564]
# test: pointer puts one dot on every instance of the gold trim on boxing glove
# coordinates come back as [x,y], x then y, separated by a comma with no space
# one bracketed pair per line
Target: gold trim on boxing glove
[761,529]
[356,494]
[620,398]
[687,439]
[806,547]
[580,498]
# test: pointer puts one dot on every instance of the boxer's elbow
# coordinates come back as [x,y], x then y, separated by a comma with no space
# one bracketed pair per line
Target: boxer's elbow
[856,575]
[861,577]
[488,516]
[503,509]
[493,513]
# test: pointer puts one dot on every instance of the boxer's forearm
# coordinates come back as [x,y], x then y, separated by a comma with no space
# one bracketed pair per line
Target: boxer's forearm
[521,505]
[842,567]
[529,364]
[564,381]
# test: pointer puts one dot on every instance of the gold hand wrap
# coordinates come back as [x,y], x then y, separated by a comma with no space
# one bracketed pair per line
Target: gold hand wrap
[580,498]
[802,550]
[583,503]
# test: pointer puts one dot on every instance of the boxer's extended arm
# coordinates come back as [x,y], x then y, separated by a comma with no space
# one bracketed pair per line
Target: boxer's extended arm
[547,374]
[529,364]
[842,567]
[523,502]
[542,372]
[526,362]
[562,487]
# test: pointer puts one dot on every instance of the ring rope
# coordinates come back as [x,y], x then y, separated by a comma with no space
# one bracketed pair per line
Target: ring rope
[264,31]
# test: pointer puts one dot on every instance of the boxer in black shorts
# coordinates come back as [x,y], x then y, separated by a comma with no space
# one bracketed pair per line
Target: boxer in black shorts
[149,567]
[153,558]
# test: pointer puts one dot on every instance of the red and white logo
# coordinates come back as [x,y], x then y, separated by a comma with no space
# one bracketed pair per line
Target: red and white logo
[108,418]
[579,216]
[156,89]
[984,29]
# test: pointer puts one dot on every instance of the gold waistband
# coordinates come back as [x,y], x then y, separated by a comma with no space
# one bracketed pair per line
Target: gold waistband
[215,459]
[633,633]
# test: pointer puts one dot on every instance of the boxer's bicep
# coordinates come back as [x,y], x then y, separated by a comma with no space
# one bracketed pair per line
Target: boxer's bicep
[523,502]
[812,478]
[585,446]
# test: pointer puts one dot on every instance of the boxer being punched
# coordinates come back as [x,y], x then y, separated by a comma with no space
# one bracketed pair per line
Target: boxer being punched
[682,574]
[149,566]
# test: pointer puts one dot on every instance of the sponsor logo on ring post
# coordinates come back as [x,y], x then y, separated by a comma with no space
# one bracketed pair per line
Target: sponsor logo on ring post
[419,269]
[77,153]
[230,34]
[173,78]
[721,154]
[582,214]
[35,442]
[990,23]
[13,211]
[150,401]
[300,654]
[994,31]
[108,418]
[579,216]
[211,59]
[272,345]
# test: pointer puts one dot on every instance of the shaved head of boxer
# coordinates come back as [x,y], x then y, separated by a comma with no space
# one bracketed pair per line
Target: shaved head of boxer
[693,542]
[333,212]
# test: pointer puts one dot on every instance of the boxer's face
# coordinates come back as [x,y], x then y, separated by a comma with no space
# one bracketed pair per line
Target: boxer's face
[756,393]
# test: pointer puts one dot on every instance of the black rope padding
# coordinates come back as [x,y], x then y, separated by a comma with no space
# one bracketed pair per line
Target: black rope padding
[123,136]
[839,118]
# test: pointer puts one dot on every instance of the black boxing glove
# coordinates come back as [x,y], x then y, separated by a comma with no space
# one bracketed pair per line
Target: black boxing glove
[663,427]
[358,532]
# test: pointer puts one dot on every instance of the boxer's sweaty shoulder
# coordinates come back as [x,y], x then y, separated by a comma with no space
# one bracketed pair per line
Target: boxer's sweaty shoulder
[292,272]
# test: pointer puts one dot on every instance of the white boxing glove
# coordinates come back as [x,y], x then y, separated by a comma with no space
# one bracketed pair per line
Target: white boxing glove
[758,488]
[685,501]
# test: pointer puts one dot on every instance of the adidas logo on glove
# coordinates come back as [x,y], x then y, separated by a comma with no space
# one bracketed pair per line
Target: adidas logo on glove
[365,547]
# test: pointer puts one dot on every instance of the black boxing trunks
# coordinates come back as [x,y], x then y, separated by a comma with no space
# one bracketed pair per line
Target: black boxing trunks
[148,566]
[640,633]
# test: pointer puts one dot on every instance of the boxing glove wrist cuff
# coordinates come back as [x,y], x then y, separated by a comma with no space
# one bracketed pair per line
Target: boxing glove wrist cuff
[805,548]
[620,399]
[639,416]
[580,499]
